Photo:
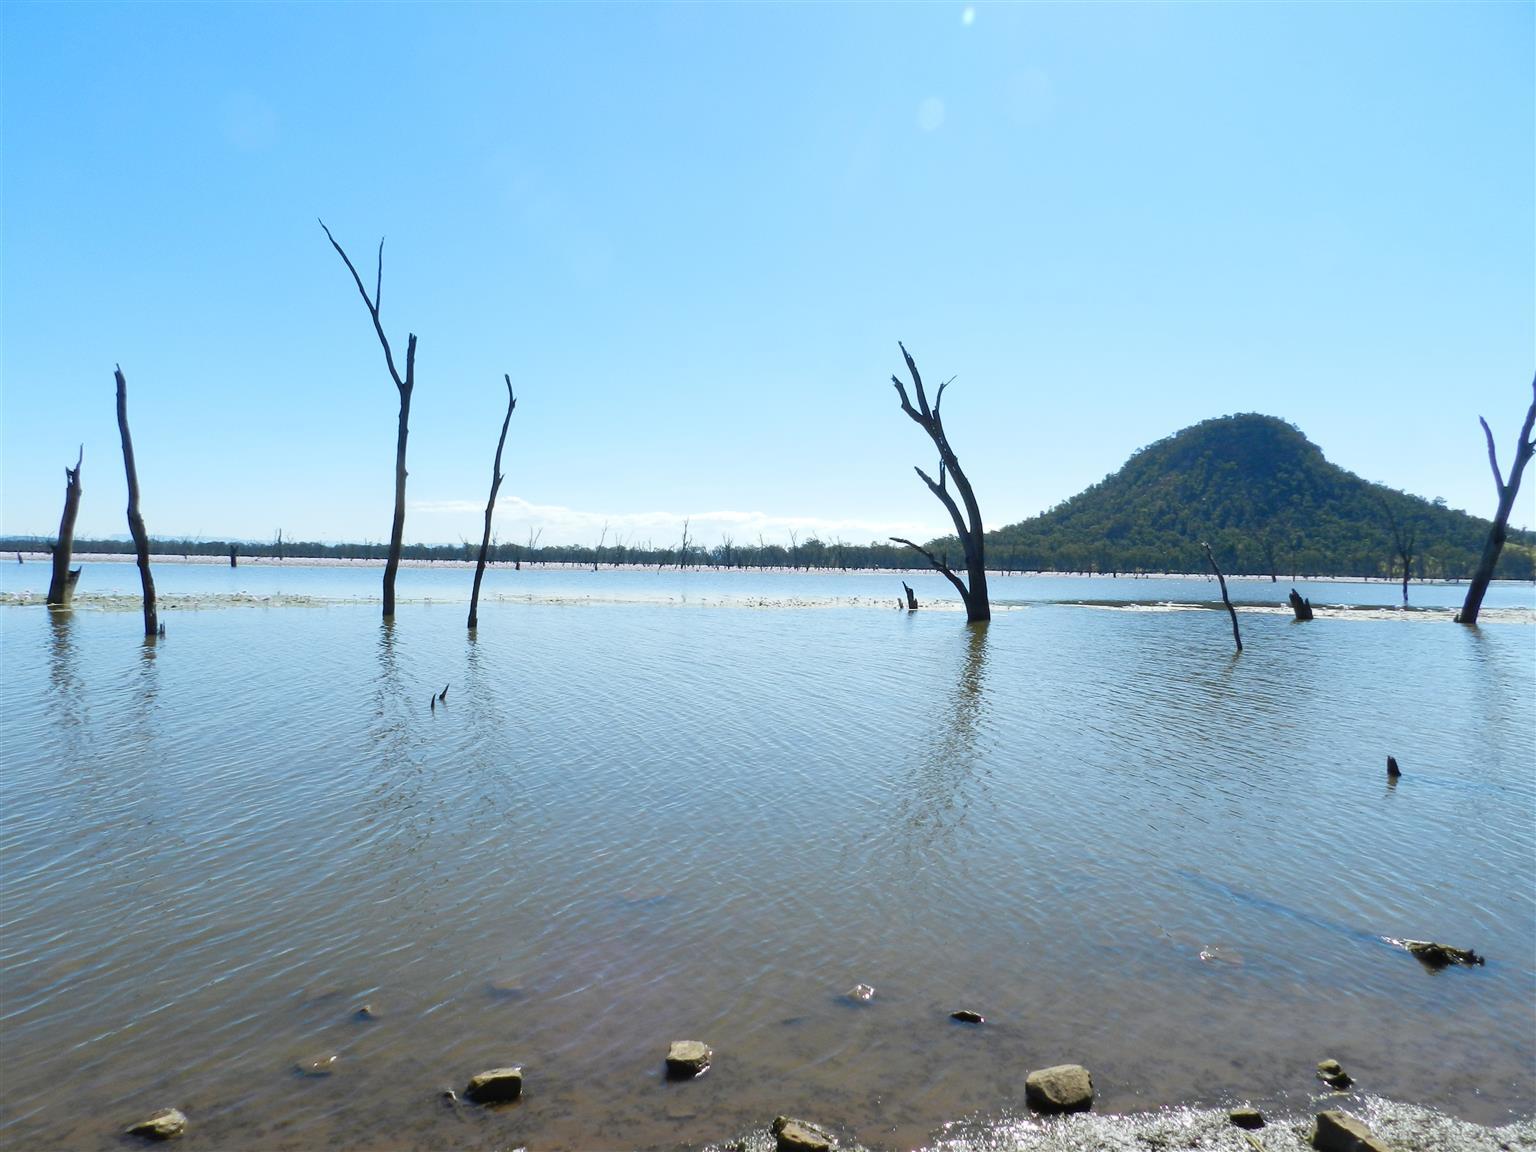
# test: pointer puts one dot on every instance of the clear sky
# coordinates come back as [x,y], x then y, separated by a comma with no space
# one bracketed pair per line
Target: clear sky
[694,233]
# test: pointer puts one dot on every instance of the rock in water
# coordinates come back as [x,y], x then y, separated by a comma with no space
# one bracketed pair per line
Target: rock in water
[798,1136]
[966,1016]
[1249,1118]
[322,1065]
[1433,955]
[687,1059]
[861,993]
[496,1086]
[166,1124]
[1331,1073]
[1341,1132]
[1064,1088]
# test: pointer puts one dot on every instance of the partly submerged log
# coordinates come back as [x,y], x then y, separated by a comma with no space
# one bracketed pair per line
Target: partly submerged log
[1302,608]
[1433,955]
[911,597]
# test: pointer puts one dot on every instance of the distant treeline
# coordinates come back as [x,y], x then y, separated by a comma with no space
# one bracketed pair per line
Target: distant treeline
[807,554]
[1241,555]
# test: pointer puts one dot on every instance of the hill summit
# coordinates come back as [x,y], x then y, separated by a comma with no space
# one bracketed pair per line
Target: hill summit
[1268,503]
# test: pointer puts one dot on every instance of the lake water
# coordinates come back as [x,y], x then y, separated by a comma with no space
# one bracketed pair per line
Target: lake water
[660,806]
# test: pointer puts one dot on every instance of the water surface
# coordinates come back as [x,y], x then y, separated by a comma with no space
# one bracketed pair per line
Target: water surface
[660,812]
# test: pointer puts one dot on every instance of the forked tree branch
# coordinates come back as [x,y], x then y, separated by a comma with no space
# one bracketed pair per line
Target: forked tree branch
[1493,455]
[373,305]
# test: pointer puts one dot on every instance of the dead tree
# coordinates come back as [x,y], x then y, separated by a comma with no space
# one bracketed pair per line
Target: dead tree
[911,597]
[61,589]
[1404,537]
[490,506]
[234,551]
[1302,608]
[683,549]
[973,590]
[1225,599]
[135,520]
[403,386]
[1524,448]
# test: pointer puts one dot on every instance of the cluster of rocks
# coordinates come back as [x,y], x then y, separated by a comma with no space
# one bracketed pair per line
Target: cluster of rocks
[1057,1090]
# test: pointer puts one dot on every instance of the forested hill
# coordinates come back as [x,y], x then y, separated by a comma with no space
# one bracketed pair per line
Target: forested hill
[1268,503]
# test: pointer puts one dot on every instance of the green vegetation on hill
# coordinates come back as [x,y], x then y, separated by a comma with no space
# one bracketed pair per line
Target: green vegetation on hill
[1269,504]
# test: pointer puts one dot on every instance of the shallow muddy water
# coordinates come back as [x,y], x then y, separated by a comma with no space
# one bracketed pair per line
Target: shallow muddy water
[651,808]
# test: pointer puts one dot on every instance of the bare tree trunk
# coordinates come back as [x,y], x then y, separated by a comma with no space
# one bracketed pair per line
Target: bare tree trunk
[404,387]
[973,591]
[1524,449]
[135,520]
[911,597]
[1403,540]
[490,506]
[234,551]
[61,589]
[1225,599]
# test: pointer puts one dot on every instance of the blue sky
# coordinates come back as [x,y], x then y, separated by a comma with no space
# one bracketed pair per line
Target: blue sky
[694,233]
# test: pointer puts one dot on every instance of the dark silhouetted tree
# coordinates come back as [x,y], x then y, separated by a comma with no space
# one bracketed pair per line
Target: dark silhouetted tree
[404,385]
[135,518]
[61,588]
[490,506]
[1524,448]
[973,590]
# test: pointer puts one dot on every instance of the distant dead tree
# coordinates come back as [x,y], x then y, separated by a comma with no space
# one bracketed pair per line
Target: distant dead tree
[135,519]
[234,551]
[1524,448]
[973,590]
[682,559]
[1404,537]
[597,553]
[61,589]
[1225,599]
[402,385]
[490,506]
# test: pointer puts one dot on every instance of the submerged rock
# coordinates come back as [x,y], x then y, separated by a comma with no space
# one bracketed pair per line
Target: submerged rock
[366,1012]
[798,1136]
[1332,1073]
[496,1085]
[687,1059]
[1245,1117]
[166,1124]
[1340,1132]
[966,1016]
[861,993]
[315,1066]
[1063,1088]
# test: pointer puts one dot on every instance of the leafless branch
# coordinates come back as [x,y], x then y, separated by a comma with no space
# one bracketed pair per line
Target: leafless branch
[938,565]
[373,307]
[1493,455]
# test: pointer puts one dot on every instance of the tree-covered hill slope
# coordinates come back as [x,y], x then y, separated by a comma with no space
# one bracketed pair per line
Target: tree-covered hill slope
[1269,504]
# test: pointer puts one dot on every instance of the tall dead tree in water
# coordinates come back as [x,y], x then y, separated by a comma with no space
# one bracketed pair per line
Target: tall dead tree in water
[403,386]
[1404,537]
[1237,636]
[62,587]
[490,506]
[973,590]
[1525,447]
[135,519]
